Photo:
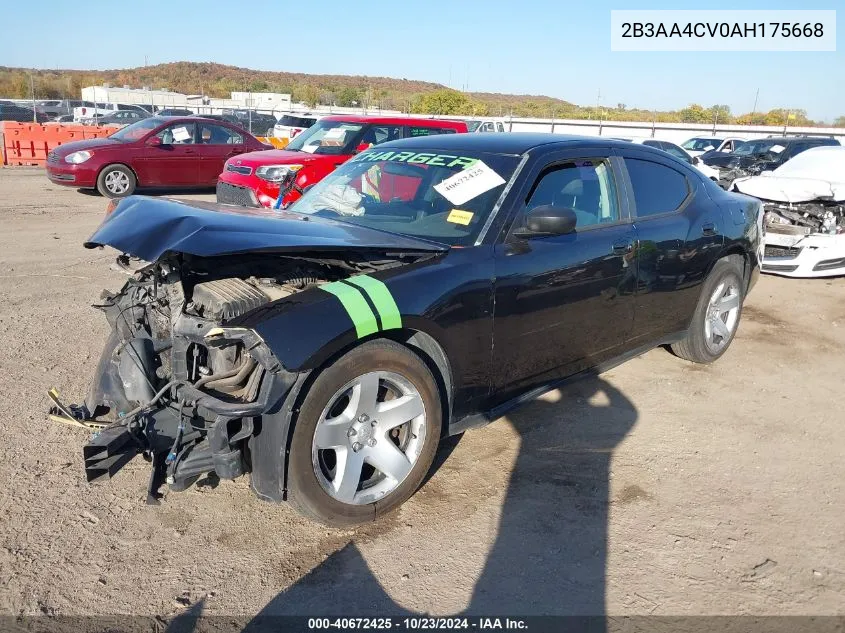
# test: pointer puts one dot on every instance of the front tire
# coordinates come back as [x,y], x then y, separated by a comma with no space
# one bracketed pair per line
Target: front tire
[116,181]
[717,314]
[365,436]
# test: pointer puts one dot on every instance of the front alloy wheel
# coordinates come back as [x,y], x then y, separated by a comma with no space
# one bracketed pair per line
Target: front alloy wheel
[365,435]
[369,437]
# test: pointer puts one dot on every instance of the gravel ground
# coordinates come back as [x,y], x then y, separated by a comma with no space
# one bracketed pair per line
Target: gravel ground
[661,487]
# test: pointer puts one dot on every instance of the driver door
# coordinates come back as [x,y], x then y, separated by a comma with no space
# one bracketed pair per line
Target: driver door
[564,302]
[175,161]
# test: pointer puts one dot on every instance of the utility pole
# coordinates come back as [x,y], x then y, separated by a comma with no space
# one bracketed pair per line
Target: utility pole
[754,109]
[598,111]
[32,92]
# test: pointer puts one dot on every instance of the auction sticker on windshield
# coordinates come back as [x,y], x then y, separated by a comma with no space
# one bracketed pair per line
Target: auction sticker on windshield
[458,216]
[469,183]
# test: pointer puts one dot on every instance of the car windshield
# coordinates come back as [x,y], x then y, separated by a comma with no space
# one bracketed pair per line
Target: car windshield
[443,196]
[136,130]
[472,126]
[762,146]
[702,144]
[328,137]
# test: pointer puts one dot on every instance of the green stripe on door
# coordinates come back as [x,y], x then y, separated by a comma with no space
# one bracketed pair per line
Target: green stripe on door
[382,300]
[356,307]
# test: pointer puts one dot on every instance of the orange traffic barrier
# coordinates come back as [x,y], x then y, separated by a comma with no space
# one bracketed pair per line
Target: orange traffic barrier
[29,143]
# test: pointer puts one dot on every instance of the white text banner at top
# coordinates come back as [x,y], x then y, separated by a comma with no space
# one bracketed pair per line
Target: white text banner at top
[723,30]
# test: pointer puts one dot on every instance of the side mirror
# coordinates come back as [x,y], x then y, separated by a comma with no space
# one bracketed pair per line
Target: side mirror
[549,220]
[363,147]
[154,141]
[696,160]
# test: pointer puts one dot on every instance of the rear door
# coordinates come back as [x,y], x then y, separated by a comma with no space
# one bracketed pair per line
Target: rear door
[217,143]
[679,230]
[174,162]
[564,302]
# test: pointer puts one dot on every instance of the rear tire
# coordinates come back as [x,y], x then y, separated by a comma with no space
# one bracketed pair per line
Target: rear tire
[717,314]
[344,486]
[116,181]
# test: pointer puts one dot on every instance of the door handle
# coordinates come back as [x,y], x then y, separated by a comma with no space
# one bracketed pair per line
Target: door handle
[622,247]
[708,228]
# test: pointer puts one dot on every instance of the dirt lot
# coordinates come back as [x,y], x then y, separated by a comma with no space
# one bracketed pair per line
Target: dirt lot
[662,487]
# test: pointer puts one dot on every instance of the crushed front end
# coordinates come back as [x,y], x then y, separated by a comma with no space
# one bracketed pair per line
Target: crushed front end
[175,382]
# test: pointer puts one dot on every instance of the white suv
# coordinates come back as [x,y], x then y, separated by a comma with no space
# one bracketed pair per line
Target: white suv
[290,125]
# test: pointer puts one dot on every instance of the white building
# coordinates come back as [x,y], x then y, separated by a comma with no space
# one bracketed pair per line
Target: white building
[138,96]
[265,101]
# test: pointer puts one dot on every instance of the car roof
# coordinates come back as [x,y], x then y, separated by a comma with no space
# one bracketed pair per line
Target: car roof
[507,142]
[394,120]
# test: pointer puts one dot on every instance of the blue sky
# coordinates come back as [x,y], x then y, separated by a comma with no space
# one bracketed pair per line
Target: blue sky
[548,47]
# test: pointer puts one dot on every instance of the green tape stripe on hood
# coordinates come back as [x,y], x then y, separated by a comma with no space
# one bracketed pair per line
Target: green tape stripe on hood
[356,307]
[382,300]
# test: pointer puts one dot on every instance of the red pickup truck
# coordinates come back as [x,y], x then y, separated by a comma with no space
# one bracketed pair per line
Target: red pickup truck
[258,179]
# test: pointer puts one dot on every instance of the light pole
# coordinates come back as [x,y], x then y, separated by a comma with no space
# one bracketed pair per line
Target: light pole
[32,93]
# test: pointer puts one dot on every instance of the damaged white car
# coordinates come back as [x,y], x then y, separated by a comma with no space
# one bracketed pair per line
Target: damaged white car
[804,202]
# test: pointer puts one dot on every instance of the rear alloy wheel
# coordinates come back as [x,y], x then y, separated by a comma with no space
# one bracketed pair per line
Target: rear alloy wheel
[116,181]
[365,436]
[717,314]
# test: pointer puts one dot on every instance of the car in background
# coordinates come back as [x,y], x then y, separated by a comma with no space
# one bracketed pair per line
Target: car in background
[253,122]
[677,152]
[484,125]
[174,112]
[21,114]
[765,154]
[291,125]
[123,117]
[804,204]
[61,107]
[64,118]
[699,145]
[268,178]
[88,115]
[154,152]
[329,357]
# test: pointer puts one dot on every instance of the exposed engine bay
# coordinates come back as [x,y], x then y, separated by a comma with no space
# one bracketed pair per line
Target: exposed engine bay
[175,382]
[806,217]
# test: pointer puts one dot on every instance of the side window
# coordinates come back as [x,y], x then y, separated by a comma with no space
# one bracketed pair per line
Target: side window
[657,188]
[177,134]
[412,131]
[586,186]
[211,134]
[381,134]
[500,127]
[487,127]
[676,151]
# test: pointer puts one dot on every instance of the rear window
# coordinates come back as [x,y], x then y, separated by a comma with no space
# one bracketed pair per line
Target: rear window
[296,121]
[657,189]
[416,130]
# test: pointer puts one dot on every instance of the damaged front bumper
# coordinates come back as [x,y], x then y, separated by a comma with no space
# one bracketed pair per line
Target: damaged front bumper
[794,254]
[185,392]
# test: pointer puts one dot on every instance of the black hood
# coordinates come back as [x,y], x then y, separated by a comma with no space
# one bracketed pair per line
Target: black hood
[147,228]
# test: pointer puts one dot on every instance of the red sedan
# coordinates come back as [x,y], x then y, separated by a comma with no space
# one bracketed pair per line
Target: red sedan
[155,152]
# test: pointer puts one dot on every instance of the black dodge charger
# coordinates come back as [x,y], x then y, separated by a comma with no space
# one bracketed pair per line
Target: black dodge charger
[421,289]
